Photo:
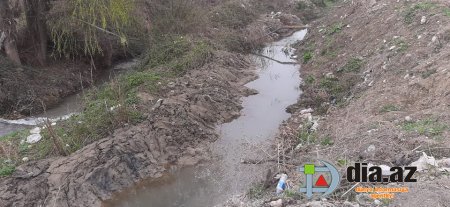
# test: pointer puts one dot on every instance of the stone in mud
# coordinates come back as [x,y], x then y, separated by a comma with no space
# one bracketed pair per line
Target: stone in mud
[408,119]
[277,203]
[318,204]
[371,148]
[423,20]
[350,204]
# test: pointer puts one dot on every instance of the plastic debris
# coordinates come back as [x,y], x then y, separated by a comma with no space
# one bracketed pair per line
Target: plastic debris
[425,162]
[33,138]
[281,184]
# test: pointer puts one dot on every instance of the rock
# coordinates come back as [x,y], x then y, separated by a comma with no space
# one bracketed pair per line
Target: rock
[315,126]
[277,203]
[36,130]
[350,204]
[423,20]
[157,104]
[33,138]
[434,39]
[25,159]
[318,204]
[329,75]
[408,119]
[371,148]
[377,202]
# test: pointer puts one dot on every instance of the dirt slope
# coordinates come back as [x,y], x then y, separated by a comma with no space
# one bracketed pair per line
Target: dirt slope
[376,75]
[180,124]
[184,119]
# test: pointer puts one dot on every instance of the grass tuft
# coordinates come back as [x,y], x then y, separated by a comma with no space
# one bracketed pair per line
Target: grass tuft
[428,127]
[352,66]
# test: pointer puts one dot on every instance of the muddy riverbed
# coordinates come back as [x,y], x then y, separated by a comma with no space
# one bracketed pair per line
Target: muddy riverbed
[247,138]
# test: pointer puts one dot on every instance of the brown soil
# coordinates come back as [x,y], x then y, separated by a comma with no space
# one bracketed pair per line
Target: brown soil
[191,106]
[389,109]
[26,91]
[176,132]
[379,85]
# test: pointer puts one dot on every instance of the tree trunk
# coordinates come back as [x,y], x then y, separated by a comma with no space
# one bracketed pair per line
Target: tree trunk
[8,32]
[35,14]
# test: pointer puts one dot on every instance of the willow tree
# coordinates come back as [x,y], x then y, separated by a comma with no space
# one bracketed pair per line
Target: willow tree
[89,27]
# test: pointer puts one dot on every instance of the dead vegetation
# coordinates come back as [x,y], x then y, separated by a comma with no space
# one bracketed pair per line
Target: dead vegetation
[377,89]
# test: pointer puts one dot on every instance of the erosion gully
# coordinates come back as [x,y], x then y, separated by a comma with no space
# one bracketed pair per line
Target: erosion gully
[246,138]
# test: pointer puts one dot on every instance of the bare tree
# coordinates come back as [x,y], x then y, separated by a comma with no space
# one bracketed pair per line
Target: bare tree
[35,11]
[8,32]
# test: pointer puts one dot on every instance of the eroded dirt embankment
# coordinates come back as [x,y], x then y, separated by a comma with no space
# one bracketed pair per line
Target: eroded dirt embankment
[376,76]
[185,118]
[377,90]
[179,126]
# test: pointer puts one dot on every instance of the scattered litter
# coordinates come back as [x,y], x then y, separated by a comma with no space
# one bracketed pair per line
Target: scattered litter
[425,162]
[35,130]
[315,126]
[25,159]
[306,111]
[281,184]
[114,107]
[36,121]
[385,170]
[33,138]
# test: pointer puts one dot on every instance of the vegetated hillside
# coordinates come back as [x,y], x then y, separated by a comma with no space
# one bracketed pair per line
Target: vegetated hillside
[194,64]
[376,74]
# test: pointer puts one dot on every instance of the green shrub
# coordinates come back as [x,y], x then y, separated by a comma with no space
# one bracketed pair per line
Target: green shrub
[7,170]
[307,56]
[353,65]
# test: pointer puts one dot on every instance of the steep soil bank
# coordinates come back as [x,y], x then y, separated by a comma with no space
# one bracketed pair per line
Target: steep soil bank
[185,118]
[26,91]
[376,75]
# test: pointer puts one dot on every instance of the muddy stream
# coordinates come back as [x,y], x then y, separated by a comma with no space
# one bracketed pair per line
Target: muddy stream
[245,138]
[69,106]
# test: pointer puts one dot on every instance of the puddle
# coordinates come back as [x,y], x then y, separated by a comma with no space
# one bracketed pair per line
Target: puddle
[244,138]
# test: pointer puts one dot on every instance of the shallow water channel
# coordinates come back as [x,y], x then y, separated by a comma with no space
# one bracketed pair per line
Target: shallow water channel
[247,137]
[70,105]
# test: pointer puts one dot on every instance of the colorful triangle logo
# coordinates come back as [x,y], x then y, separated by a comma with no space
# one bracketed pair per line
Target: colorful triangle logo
[321,182]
